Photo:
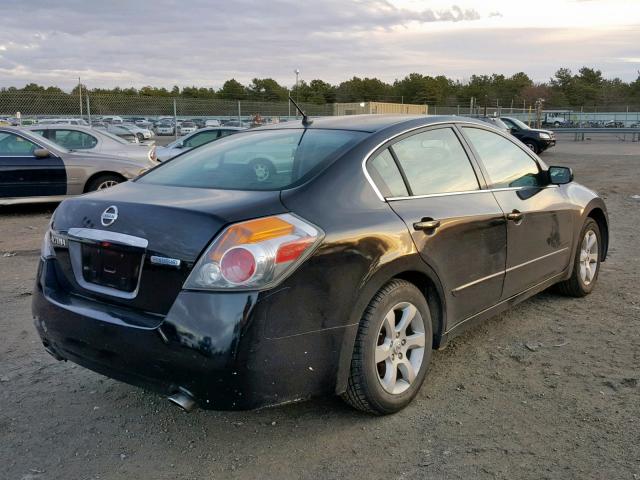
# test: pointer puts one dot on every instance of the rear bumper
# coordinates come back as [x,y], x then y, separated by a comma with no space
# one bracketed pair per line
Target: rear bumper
[211,344]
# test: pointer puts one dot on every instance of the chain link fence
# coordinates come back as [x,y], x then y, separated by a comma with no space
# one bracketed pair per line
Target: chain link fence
[35,106]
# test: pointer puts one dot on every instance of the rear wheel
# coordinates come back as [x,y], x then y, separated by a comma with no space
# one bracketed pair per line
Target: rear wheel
[102,182]
[392,350]
[586,264]
[263,169]
[533,146]
[140,137]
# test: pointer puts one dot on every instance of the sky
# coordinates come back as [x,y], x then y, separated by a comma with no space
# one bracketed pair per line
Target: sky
[203,43]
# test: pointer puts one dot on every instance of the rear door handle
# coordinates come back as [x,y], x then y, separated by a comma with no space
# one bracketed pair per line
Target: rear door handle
[515,216]
[426,224]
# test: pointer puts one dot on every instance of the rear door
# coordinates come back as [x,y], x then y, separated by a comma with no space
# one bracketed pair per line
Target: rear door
[22,174]
[540,224]
[457,226]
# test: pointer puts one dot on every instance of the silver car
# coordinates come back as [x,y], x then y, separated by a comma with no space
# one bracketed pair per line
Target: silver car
[94,140]
[195,139]
[33,169]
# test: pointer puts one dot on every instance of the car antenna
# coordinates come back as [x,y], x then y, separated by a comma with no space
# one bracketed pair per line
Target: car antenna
[305,119]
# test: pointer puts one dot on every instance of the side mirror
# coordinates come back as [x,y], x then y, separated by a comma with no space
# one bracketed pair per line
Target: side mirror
[41,153]
[513,129]
[560,175]
[180,145]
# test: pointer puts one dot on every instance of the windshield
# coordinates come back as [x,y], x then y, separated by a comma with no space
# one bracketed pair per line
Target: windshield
[517,122]
[258,160]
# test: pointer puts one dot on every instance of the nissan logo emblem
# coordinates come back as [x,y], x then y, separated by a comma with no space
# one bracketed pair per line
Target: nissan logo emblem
[109,216]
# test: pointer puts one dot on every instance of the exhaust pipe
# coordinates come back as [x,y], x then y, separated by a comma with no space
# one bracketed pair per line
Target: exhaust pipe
[183,399]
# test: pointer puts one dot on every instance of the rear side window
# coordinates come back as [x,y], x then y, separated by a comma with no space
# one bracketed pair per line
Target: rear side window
[506,163]
[258,160]
[435,162]
[385,173]
[72,139]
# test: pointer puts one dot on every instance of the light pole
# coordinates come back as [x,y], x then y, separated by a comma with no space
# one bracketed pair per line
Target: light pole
[297,72]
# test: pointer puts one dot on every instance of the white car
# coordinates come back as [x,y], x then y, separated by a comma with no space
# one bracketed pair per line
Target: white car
[77,138]
[195,139]
[212,123]
[112,119]
[140,133]
[186,128]
[164,129]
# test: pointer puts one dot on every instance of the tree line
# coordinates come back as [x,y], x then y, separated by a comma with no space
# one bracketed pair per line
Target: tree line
[585,88]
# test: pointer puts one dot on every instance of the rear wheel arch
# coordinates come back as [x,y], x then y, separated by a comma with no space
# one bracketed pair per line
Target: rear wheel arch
[97,175]
[424,278]
[433,293]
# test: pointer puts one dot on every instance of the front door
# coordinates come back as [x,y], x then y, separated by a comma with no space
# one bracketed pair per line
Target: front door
[458,228]
[22,174]
[539,220]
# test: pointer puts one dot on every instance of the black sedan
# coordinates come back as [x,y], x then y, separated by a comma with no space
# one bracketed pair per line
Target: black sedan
[375,240]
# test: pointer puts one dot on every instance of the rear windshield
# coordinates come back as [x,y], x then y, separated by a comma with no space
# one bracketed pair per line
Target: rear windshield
[258,160]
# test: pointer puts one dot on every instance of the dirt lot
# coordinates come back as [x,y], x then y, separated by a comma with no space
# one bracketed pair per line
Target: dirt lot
[548,390]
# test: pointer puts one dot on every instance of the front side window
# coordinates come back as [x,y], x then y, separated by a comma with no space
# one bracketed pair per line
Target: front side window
[258,160]
[385,173]
[73,139]
[12,144]
[507,164]
[435,162]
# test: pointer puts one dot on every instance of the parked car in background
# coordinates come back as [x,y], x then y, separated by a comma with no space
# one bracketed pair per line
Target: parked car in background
[34,169]
[536,139]
[63,121]
[236,123]
[112,119]
[212,123]
[141,134]
[614,124]
[556,120]
[121,132]
[385,237]
[164,128]
[496,122]
[194,139]
[187,127]
[95,140]
[198,122]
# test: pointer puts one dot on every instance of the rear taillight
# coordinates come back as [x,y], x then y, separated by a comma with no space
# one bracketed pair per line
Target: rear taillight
[152,154]
[255,254]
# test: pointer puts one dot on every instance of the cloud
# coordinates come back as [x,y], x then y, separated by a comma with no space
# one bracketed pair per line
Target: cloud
[204,43]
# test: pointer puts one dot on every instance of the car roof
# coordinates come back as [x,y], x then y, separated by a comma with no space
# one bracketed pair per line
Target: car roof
[371,123]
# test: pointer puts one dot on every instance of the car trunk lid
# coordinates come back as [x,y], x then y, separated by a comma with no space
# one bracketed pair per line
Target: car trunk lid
[135,244]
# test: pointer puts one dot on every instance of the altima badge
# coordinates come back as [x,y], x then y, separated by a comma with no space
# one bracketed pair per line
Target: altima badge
[109,216]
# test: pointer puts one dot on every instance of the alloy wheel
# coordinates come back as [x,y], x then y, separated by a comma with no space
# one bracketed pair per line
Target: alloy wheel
[589,257]
[261,171]
[400,348]
[106,184]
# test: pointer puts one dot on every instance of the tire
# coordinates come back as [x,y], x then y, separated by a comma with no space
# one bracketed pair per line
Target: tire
[262,169]
[140,137]
[580,283]
[533,146]
[103,181]
[370,386]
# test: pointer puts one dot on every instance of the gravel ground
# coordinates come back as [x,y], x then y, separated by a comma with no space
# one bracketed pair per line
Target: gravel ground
[550,389]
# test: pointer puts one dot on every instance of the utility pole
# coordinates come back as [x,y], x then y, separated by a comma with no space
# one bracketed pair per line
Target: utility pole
[297,72]
[80,95]
[88,109]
